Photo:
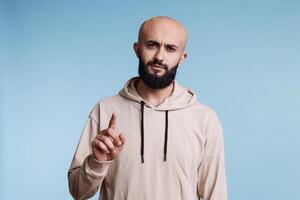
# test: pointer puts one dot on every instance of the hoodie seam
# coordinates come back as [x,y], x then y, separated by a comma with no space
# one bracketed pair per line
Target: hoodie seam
[93,120]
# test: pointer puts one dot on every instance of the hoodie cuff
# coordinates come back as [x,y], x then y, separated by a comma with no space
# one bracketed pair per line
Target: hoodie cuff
[95,167]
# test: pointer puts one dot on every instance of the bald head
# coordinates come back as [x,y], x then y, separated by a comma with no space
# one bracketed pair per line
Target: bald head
[172,27]
[162,42]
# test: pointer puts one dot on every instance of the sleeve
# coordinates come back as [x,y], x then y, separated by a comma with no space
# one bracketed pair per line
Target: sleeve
[86,174]
[212,184]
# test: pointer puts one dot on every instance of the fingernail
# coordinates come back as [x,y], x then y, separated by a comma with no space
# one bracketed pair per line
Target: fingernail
[120,143]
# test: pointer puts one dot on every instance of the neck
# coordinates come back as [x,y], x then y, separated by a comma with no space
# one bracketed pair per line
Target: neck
[154,96]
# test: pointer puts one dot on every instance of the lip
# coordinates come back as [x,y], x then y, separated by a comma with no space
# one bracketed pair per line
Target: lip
[156,67]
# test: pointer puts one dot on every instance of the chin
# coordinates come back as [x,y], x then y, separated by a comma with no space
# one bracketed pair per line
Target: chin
[157,74]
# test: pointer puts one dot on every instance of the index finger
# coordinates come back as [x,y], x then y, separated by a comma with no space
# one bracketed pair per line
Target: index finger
[113,121]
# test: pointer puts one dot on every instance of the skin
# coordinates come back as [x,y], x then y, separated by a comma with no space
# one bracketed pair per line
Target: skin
[160,38]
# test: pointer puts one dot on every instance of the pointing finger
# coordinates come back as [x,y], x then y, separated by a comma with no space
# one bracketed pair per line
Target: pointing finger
[113,121]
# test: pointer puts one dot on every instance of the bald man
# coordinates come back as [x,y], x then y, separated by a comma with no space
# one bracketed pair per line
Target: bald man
[153,140]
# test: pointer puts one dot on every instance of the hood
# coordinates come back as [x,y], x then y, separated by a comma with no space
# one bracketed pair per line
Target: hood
[180,97]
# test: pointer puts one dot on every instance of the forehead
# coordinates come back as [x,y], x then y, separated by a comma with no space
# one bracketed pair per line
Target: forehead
[165,31]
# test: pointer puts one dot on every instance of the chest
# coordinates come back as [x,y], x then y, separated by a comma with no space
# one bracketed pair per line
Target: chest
[185,140]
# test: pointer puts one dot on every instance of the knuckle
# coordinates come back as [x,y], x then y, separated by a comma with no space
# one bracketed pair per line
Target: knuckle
[110,130]
[99,136]
[96,144]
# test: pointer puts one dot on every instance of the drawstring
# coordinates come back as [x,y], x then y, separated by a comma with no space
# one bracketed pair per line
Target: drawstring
[142,133]
[166,138]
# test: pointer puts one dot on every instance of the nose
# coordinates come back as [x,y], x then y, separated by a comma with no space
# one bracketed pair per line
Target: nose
[159,54]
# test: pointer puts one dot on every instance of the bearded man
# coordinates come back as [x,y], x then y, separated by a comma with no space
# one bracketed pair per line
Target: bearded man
[153,140]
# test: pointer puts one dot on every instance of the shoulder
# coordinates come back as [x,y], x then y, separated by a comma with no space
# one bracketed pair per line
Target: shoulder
[204,109]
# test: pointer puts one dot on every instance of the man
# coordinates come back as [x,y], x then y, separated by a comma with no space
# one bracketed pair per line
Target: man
[154,140]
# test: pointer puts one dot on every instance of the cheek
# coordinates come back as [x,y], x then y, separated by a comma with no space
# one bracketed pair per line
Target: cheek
[146,56]
[173,60]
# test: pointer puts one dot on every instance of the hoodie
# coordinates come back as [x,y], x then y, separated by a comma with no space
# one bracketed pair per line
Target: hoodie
[172,151]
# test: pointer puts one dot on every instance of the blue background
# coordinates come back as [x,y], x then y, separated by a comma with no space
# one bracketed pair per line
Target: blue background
[58,58]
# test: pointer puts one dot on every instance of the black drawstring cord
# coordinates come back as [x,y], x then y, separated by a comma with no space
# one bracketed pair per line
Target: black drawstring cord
[166,138]
[142,131]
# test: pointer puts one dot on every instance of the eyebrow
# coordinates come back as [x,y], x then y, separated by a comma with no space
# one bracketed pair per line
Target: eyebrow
[157,43]
[172,46]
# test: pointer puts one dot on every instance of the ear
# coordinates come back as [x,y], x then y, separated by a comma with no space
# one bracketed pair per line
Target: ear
[136,49]
[183,57]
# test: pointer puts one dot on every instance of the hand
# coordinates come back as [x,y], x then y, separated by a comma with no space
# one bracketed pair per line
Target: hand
[107,144]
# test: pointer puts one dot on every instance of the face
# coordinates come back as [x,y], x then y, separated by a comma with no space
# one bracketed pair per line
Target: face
[160,50]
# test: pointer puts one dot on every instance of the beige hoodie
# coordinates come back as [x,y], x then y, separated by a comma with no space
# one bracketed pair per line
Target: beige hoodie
[172,152]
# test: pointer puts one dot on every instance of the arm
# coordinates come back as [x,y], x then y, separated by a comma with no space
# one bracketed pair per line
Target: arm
[86,174]
[212,183]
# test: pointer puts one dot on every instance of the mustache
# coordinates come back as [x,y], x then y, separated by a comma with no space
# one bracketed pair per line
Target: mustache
[158,63]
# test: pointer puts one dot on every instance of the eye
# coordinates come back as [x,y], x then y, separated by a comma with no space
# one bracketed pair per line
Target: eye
[170,48]
[151,45]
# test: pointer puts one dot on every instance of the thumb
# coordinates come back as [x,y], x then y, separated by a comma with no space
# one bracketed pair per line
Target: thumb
[113,121]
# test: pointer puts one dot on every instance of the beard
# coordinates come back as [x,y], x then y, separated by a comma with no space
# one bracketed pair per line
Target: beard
[153,81]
